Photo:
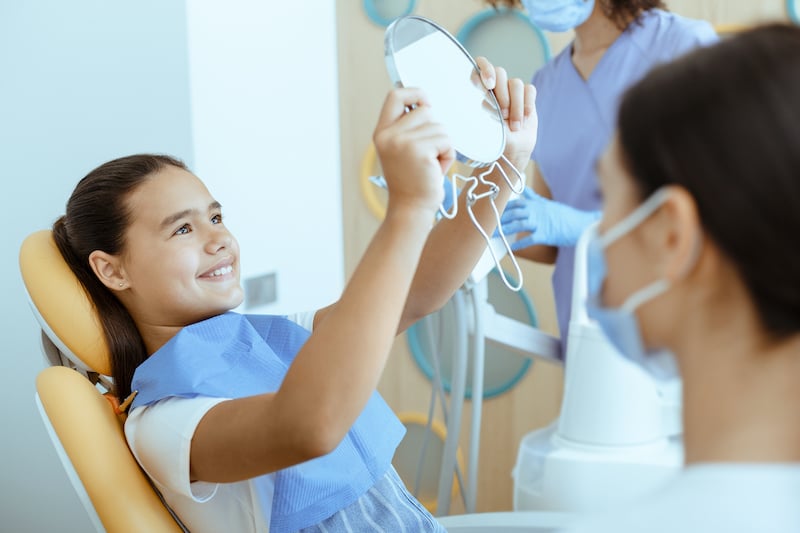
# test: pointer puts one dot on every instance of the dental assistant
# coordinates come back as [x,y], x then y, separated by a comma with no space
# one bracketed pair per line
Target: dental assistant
[693,270]
[616,43]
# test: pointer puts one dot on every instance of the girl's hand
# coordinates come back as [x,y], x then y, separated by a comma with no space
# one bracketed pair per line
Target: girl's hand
[414,151]
[517,102]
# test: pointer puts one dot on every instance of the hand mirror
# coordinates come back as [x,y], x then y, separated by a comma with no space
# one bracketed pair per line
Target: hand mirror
[420,53]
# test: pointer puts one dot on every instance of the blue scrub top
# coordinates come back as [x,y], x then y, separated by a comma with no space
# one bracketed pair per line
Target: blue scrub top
[577,117]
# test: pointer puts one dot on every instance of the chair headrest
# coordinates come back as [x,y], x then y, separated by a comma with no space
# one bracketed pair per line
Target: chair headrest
[61,304]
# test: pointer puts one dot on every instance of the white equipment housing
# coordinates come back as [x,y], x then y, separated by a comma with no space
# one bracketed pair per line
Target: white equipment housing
[618,435]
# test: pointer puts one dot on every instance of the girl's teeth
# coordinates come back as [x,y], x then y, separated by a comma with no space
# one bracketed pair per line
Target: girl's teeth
[222,271]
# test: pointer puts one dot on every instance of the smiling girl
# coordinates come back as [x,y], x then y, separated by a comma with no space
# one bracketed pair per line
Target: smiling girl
[268,423]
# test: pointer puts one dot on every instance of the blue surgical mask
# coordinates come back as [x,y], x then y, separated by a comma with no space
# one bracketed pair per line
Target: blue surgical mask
[620,324]
[558,15]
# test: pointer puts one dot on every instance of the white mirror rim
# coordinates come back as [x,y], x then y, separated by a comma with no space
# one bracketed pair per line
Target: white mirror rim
[420,53]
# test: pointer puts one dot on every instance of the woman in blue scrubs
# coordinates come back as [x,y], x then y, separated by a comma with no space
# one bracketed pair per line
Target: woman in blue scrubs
[616,42]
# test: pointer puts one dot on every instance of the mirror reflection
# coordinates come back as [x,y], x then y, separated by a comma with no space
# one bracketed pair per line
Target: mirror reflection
[451,81]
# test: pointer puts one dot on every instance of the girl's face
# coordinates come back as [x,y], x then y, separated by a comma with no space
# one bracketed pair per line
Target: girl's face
[180,263]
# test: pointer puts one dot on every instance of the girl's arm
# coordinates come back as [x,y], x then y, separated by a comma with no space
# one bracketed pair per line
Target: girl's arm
[336,371]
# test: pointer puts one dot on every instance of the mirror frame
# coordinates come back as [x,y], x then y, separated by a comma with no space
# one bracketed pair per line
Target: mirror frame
[389,50]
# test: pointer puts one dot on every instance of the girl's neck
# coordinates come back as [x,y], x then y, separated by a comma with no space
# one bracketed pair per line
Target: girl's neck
[592,39]
[154,334]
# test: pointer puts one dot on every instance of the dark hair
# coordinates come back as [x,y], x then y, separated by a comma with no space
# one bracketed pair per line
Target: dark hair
[621,12]
[724,123]
[97,217]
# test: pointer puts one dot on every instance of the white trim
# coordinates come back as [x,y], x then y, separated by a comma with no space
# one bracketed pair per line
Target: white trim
[507,522]
[72,475]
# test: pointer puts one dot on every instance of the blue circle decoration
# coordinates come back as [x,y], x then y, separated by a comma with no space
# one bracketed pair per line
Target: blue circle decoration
[515,365]
[794,10]
[495,34]
[383,12]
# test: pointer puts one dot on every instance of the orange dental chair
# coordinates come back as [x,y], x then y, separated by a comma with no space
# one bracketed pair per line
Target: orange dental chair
[85,427]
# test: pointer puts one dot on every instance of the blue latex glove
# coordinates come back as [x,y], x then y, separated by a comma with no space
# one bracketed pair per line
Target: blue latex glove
[550,223]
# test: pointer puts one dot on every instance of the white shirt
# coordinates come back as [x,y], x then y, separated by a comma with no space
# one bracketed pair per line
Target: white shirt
[711,498]
[160,436]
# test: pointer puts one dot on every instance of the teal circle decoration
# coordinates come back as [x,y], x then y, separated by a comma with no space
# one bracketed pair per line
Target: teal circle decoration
[503,367]
[507,38]
[383,12]
[793,7]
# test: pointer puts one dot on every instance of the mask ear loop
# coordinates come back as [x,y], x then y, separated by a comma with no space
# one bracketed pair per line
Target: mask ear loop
[658,287]
[644,211]
[636,217]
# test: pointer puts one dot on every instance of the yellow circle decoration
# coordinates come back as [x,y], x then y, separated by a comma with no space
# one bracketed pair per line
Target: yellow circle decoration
[374,196]
[370,167]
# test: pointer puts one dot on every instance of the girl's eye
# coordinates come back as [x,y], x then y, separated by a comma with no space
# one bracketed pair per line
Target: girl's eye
[183,230]
[216,219]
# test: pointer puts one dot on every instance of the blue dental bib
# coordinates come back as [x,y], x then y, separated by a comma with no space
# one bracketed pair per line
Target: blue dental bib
[233,356]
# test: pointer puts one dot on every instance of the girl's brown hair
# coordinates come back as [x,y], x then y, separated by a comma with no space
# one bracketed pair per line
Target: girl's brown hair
[97,217]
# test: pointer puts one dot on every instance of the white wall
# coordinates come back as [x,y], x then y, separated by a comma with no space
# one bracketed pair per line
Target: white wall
[84,81]
[265,110]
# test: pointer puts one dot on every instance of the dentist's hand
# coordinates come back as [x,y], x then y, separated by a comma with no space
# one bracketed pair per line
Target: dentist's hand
[548,222]
[517,101]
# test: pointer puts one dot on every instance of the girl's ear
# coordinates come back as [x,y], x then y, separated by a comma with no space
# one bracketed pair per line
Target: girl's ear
[108,270]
